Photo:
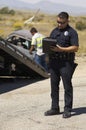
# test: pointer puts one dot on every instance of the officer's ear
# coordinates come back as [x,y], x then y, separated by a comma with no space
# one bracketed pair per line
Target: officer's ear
[68,20]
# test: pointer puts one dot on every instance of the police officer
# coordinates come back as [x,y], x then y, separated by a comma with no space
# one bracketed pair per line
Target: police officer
[62,64]
[40,57]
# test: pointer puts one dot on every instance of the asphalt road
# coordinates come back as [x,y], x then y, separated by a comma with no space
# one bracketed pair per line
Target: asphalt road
[24,101]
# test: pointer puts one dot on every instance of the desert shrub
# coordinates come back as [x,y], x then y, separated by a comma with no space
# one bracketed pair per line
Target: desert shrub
[1,32]
[5,10]
[12,12]
[18,25]
[80,25]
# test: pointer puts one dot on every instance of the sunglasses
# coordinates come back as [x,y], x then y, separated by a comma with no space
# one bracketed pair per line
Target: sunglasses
[61,22]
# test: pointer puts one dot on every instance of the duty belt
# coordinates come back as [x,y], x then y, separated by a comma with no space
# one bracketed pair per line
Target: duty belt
[62,56]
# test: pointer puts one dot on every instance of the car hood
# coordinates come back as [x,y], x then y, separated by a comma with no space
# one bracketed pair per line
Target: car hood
[23,33]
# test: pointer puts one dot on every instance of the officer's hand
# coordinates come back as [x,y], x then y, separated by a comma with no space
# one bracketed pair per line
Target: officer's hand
[56,48]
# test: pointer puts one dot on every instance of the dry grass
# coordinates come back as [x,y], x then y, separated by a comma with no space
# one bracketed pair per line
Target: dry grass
[82,42]
[43,22]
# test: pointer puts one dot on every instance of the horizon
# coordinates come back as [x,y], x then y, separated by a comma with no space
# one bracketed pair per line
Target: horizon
[45,6]
[79,3]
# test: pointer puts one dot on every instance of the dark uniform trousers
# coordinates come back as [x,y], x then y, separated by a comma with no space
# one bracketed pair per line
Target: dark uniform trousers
[62,69]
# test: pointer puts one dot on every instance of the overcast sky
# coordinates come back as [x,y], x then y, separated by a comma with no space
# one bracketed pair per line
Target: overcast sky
[81,3]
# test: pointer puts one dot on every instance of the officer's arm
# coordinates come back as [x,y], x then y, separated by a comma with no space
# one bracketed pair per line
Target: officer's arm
[65,49]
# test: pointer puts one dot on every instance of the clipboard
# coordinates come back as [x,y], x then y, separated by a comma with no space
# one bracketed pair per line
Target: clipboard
[47,42]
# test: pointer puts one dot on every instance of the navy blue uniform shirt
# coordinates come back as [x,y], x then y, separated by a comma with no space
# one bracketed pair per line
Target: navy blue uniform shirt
[65,37]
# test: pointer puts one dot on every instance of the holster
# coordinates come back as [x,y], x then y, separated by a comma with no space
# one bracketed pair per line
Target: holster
[75,65]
